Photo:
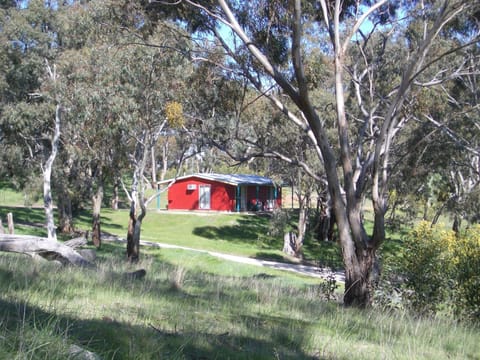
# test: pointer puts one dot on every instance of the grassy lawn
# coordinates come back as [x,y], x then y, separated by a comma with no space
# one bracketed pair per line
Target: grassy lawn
[182,312]
[237,234]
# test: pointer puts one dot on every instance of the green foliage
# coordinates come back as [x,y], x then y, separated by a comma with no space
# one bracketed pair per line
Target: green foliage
[425,261]
[442,270]
[466,255]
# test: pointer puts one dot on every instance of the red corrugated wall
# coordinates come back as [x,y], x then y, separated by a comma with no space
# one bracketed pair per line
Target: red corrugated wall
[222,195]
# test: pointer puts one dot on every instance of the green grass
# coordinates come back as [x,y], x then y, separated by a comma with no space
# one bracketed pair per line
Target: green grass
[195,306]
[237,234]
[11,196]
[182,312]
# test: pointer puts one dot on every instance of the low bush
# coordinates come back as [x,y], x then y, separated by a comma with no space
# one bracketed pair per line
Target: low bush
[437,271]
[466,255]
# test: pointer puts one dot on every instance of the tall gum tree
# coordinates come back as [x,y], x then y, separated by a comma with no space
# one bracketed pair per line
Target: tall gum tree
[150,76]
[31,96]
[87,32]
[265,42]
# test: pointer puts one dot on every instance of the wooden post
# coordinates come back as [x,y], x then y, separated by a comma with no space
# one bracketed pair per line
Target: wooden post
[11,228]
[2,231]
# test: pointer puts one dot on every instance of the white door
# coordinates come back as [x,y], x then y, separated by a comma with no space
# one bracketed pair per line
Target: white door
[204,197]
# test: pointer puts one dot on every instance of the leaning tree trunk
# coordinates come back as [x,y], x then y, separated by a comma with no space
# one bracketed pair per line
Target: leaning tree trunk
[97,199]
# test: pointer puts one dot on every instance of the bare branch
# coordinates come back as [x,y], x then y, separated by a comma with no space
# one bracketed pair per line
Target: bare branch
[126,190]
[453,135]
[359,23]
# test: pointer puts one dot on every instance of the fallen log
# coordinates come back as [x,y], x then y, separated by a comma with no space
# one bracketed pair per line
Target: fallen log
[38,246]
[76,242]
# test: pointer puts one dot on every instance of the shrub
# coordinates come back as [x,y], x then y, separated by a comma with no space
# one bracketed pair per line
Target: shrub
[279,223]
[467,270]
[440,271]
[426,265]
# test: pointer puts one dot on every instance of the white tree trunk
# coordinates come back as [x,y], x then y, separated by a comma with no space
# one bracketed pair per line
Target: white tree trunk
[97,199]
[164,160]
[154,167]
[47,176]
[290,243]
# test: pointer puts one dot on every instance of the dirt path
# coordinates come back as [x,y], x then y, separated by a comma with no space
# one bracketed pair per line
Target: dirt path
[306,270]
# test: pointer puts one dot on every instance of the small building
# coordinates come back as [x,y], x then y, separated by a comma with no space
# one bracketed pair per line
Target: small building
[223,193]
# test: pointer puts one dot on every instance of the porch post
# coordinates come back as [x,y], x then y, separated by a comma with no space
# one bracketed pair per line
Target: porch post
[238,199]
[275,194]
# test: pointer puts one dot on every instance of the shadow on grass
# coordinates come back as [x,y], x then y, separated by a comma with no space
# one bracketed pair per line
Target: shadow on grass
[324,254]
[116,340]
[22,326]
[253,230]
[35,216]
[246,231]
[273,257]
[24,215]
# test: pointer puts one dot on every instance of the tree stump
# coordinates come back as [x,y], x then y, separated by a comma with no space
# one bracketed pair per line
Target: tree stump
[11,227]
[290,243]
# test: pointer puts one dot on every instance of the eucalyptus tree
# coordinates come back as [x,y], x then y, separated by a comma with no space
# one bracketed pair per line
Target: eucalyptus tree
[448,134]
[149,81]
[93,141]
[32,104]
[459,125]
[75,37]
[267,43]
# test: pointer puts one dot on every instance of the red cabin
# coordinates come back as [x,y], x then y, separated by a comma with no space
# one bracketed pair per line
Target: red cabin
[223,193]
